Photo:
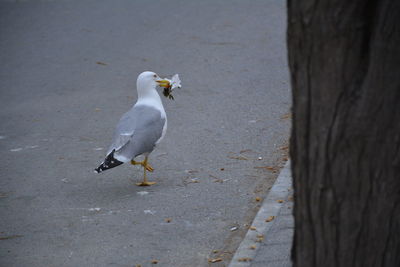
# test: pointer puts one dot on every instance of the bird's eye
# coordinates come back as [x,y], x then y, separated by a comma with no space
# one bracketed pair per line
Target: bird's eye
[155,76]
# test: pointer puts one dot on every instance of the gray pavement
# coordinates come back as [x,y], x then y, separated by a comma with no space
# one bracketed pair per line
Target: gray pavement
[268,241]
[68,73]
[275,250]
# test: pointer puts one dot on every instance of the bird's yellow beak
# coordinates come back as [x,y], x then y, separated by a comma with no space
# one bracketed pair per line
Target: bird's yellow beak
[164,83]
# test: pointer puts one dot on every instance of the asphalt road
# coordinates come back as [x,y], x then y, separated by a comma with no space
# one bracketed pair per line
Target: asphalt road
[68,72]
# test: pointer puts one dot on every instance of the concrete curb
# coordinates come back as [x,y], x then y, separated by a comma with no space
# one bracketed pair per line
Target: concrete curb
[249,246]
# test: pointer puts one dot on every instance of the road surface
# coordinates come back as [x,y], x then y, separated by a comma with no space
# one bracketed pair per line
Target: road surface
[68,73]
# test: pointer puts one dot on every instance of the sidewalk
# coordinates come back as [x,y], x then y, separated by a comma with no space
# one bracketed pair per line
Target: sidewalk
[269,240]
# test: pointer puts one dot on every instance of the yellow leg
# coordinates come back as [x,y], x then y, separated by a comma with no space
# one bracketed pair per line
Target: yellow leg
[146,167]
[144,163]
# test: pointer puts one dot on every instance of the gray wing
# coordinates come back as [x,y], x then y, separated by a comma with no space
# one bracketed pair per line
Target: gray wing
[137,132]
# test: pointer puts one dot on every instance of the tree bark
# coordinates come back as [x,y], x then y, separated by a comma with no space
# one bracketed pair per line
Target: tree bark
[344,59]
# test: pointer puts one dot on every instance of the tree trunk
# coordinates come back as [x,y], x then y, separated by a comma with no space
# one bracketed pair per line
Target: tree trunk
[344,59]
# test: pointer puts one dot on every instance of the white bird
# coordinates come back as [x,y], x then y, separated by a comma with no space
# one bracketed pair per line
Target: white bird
[141,128]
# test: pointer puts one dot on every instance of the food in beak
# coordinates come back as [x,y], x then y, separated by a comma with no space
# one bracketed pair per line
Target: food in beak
[175,82]
[167,93]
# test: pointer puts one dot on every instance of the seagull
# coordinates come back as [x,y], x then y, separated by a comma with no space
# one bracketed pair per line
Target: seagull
[140,129]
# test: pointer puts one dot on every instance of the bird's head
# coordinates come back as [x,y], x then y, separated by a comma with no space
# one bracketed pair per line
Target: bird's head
[150,79]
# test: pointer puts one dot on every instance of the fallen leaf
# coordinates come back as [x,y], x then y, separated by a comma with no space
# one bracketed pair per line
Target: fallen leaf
[215,251]
[215,260]
[154,261]
[244,259]
[191,181]
[284,148]
[138,265]
[167,220]
[97,109]
[286,116]
[245,151]
[280,201]
[260,236]
[101,63]
[266,167]
[238,158]
[253,247]
[258,199]
[216,179]
[270,218]
[222,169]
[252,228]
[9,237]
